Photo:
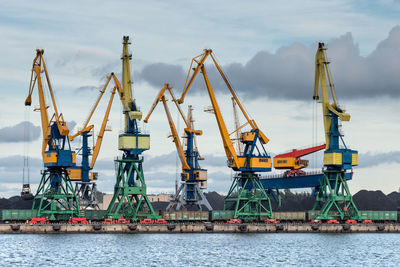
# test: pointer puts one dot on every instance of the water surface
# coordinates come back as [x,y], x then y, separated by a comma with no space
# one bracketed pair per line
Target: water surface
[200,250]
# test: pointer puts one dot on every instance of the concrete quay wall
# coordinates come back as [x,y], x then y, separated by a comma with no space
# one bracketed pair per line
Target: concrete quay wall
[197,228]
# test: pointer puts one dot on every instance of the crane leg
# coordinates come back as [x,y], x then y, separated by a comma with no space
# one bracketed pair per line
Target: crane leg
[55,198]
[130,199]
[248,199]
[334,198]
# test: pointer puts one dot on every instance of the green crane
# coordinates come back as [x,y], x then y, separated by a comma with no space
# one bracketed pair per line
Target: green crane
[130,199]
[333,198]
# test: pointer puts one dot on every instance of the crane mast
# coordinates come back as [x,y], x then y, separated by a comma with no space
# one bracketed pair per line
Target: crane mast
[54,197]
[246,196]
[333,198]
[193,177]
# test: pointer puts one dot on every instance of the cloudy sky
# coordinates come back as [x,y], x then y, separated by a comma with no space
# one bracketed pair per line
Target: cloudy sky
[266,49]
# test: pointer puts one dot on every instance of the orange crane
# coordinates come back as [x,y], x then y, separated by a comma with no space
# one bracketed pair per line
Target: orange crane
[193,177]
[292,161]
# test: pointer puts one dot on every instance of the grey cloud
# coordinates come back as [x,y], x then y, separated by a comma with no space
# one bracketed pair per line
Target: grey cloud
[103,70]
[372,159]
[158,74]
[14,163]
[20,132]
[25,131]
[71,125]
[289,72]
[86,88]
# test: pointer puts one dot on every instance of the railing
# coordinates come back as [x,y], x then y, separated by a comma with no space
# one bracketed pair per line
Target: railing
[280,175]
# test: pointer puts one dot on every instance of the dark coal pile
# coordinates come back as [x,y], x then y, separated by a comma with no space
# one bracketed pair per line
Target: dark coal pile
[216,200]
[159,205]
[365,200]
[15,202]
[293,202]
[373,200]
[395,197]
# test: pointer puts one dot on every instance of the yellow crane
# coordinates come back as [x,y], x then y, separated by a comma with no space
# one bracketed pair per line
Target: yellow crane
[194,178]
[85,188]
[54,196]
[39,66]
[246,194]
[130,199]
[333,199]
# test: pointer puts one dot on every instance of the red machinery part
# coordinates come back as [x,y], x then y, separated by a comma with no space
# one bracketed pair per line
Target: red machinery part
[122,220]
[302,152]
[107,221]
[146,221]
[271,221]
[366,221]
[234,221]
[41,220]
[78,220]
[332,221]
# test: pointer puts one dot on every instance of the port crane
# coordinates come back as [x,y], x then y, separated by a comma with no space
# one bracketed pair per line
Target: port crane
[130,199]
[292,161]
[55,195]
[85,185]
[333,198]
[246,196]
[193,177]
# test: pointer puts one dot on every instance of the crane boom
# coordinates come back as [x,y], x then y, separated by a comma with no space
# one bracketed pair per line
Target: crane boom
[241,162]
[83,174]
[321,74]
[38,67]
[179,148]
[228,146]
[301,152]
[97,146]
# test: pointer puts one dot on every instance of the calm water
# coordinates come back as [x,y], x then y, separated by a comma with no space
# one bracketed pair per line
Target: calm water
[201,250]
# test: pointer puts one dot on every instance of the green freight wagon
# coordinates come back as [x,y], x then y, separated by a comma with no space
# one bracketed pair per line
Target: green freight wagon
[185,215]
[95,215]
[221,215]
[18,215]
[312,214]
[290,216]
[379,215]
